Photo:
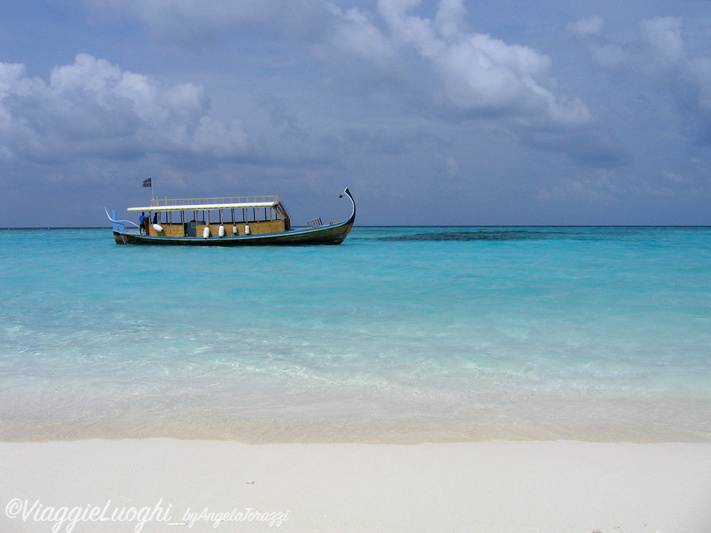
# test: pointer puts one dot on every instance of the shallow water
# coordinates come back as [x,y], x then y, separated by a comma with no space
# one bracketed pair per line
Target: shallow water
[397,335]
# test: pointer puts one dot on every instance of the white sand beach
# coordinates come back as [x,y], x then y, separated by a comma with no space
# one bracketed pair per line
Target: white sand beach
[165,485]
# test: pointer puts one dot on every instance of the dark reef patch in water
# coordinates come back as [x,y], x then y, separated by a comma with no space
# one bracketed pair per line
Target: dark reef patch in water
[477,235]
[582,233]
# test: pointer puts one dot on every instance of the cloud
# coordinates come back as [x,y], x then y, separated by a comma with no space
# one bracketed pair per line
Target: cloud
[662,35]
[589,148]
[195,21]
[659,53]
[432,65]
[93,108]
[355,34]
[447,65]
[443,68]
[470,74]
[485,76]
[586,27]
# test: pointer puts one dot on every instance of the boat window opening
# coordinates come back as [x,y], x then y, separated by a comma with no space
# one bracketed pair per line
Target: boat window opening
[221,222]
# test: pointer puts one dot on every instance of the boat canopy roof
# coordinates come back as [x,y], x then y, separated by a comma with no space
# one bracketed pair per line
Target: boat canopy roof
[192,204]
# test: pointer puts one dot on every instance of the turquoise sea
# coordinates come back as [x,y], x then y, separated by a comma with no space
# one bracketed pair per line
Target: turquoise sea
[397,335]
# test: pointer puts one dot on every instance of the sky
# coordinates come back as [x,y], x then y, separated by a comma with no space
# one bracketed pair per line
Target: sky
[450,112]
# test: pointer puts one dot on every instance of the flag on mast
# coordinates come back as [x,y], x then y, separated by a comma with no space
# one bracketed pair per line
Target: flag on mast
[149,183]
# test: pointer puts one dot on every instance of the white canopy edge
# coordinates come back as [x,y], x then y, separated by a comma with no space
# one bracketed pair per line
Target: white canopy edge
[198,207]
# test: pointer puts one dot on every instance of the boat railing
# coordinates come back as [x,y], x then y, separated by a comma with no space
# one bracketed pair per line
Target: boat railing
[177,202]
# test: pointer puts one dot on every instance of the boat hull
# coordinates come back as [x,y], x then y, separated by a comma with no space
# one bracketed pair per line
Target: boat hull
[334,234]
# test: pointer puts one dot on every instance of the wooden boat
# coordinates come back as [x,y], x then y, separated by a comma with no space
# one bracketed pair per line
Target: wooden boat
[256,220]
